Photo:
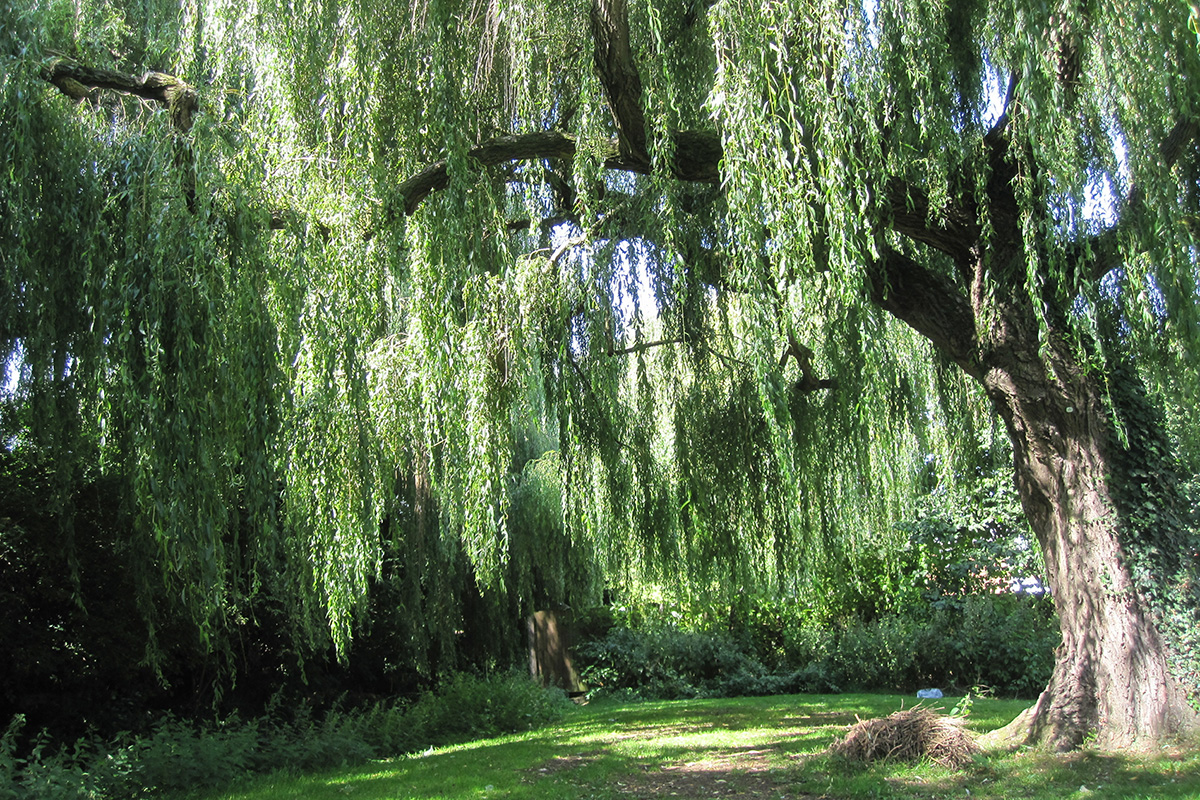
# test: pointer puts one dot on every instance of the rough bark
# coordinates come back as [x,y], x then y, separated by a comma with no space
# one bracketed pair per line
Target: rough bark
[1111,676]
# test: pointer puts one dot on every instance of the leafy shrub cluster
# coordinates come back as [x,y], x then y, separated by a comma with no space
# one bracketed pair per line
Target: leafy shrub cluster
[1005,642]
[176,756]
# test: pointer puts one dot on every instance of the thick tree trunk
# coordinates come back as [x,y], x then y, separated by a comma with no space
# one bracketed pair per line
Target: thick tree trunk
[1111,675]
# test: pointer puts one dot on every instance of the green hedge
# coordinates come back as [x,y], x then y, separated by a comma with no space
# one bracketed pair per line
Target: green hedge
[1004,642]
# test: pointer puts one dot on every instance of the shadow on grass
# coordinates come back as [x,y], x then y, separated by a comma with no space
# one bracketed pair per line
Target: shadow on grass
[753,748]
[1030,774]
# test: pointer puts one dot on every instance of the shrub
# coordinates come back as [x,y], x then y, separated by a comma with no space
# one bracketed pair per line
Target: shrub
[1006,642]
[1002,641]
[667,663]
[175,756]
[468,708]
[878,654]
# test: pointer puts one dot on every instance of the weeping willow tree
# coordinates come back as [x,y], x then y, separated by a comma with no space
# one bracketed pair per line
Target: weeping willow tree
[754,266]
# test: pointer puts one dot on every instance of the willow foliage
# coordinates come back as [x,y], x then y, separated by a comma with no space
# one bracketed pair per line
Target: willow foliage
[265,368]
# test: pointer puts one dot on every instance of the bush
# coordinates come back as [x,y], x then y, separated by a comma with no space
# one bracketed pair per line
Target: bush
[468,708]
[667,663]
[1003,641]
[1006,642]
[177,756]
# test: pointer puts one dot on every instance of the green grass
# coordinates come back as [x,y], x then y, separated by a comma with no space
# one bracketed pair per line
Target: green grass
[769,747]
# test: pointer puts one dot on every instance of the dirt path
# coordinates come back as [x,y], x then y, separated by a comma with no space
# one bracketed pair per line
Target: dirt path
[714,772]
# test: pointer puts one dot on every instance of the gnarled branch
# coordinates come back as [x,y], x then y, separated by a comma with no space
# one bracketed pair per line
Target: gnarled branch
[929,303]
[76,81]
[809,382]
[697,157]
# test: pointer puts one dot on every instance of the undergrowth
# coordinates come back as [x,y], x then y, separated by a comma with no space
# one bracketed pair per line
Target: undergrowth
[177,755]
[1003,642]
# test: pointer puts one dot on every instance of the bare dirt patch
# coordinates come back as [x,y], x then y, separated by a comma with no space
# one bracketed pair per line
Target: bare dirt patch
[735,773]
[560,764]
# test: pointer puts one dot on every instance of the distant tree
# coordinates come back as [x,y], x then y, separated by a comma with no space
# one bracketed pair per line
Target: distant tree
[362,239]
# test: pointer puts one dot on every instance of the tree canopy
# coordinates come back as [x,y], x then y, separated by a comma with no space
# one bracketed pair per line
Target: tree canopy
[712,288]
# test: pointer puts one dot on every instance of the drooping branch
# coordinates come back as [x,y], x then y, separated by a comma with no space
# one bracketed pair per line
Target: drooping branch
[642,347]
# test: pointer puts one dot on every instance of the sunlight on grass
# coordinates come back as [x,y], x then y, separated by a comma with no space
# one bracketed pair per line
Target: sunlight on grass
[762,747]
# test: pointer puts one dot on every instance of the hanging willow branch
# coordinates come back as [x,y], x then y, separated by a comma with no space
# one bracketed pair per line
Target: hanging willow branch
[1101,253]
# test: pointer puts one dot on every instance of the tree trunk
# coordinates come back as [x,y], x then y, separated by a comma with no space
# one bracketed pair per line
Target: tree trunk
[1111,675]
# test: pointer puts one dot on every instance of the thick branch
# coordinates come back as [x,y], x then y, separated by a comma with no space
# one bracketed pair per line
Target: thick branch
[619,76]
[809,382]
[180,99]
[696,154]
[1179,139]
[697,157]
[75,81]
[435,177]
[955,234]
[927,302]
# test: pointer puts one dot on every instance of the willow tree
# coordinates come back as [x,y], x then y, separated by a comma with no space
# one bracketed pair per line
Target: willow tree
[398,233]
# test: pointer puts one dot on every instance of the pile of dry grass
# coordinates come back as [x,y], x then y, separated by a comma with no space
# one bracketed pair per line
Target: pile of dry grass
[908,735]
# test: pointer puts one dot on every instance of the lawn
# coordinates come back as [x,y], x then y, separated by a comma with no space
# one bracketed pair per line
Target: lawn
[769,747]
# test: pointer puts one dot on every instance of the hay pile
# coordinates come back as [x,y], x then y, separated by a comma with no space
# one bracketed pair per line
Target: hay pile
[908,735]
